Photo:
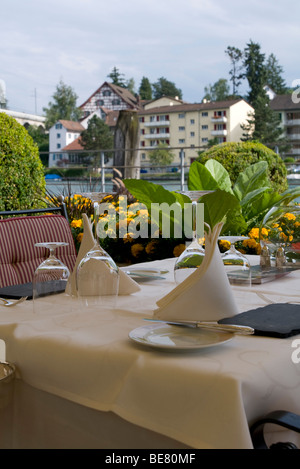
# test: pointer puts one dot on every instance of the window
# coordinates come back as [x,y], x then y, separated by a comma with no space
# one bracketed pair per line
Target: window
[106,93]
[181,116]
[181,129]
[181,140]
[204,127]
[57,135]
[152,119]
[115,102]
[143,156]
[204,114]
[204,140]
[58,126]
[99,102]
[192,134]
[192,121]
[58,145]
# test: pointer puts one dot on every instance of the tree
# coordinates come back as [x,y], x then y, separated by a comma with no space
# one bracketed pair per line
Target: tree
[164,87]
[63,107]
[40,137]
[22,181]
[97,136]
[263,125]
[217,92]
[117,78]
[235,73]
[274,75]
[161,155]
[255,71]
[145,89]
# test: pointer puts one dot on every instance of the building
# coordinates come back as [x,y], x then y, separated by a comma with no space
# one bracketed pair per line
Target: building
[62,134]
[190,126]
[26,119]
[111,98]
[288,108]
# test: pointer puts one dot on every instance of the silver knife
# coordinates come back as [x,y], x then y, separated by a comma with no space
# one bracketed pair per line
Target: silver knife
[245,330]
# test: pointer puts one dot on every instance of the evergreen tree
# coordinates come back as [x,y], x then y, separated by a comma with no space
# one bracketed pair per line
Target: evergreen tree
[145,89]
[263,125]
[97,136]
[63,107]
[235,73]
[164,87]
[117,78]
[255,71]
[274,75]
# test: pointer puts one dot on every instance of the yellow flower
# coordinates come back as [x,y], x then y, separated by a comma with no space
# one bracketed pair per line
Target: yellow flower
[178,249]
[290,216]
[128,238]
[264,232]
[254,233]
[76,223]
[79,237]
[151,247]
[137,249]
[225,243]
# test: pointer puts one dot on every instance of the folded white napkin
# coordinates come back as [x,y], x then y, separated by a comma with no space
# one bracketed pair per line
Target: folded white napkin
[206,294]
[126,284]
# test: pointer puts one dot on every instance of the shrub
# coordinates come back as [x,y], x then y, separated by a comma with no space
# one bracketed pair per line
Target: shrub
[236,156]
[22,182]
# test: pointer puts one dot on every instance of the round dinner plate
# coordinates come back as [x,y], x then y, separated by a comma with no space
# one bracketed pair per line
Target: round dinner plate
[178,338]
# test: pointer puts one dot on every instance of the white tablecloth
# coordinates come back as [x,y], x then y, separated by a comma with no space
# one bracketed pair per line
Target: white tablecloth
[204,399]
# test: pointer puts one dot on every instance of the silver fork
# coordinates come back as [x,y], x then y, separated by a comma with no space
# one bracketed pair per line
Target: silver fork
[12,302]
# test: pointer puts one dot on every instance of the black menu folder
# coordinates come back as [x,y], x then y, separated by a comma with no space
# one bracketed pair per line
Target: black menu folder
[18,291]
[275,320]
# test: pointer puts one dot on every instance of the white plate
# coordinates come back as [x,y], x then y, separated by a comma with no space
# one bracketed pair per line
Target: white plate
[178,338]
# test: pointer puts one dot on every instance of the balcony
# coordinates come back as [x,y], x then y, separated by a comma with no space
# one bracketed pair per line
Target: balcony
[157,123]
[155,136]
[292,122]
[219,133]
[220,119]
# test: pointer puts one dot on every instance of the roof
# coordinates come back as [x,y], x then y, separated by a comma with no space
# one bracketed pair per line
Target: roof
[124,94]
[192,107]
[72,125]
[283,102]
[75,145]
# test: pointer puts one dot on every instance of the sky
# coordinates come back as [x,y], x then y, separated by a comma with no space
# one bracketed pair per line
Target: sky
[79,42]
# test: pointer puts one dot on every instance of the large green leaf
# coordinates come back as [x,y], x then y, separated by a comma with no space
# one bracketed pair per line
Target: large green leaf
[254,212]
[200,178]
[220,174]
[221,205]
[165,207]
[254,177]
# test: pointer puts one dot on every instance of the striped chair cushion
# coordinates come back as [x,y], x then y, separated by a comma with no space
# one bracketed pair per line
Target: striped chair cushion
[19,257]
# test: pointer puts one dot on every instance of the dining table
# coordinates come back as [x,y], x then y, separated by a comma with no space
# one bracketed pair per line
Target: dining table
[84,381]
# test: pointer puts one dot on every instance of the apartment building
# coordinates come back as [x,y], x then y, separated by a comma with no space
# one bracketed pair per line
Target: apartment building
[190,126]
[288,108]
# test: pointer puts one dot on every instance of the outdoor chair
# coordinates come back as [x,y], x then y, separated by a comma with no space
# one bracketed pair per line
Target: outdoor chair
[279,418]
[18,234]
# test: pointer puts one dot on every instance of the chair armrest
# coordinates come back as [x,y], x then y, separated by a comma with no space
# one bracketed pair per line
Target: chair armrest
[279,417]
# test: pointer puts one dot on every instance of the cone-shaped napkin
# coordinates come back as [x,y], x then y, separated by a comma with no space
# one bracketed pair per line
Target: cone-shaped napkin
[206,294]
[126,284]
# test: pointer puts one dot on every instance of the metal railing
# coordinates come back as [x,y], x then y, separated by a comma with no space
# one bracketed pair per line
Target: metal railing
[102,172]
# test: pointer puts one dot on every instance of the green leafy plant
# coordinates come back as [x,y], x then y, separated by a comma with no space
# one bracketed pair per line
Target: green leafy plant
[22,182]
[235,157]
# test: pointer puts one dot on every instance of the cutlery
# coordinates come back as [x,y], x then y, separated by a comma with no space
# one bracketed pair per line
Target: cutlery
[244,330]
[7,302]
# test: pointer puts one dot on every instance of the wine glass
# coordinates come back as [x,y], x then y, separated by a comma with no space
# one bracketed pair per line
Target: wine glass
[51,276]
[97,275]
[193,255]
[237,266]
